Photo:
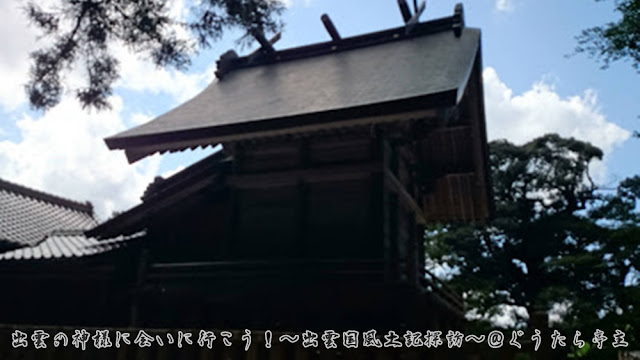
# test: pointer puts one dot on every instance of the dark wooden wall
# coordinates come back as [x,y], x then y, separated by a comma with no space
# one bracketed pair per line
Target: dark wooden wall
[307,232]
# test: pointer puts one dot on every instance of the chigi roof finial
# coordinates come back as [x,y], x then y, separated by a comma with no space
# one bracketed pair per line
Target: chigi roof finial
[404,10]
[458,19]
[266,53]
[265,45]
[411,20]
[331,29]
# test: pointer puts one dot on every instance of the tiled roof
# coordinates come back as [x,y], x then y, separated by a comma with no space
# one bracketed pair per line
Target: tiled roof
[27,216]
[65,245]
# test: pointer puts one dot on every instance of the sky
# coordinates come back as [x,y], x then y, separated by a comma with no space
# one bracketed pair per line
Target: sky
[533,85]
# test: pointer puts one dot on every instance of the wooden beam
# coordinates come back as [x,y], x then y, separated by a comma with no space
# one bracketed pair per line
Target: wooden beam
[302,199]
[256,269]
[304,129]
[405,197]
[392,235]
[404,10]
[7,272]
[266,45]
[251,264]
[421,250]
[486,207]
[411,23]
[390,213]
[293,177]
[270,43]
[134,319]
[412,251]
[331,29]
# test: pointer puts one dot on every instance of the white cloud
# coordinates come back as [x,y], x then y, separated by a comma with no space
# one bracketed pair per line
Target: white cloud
[14,62]
[540,110]
[138,74]
[62,152]
[140,118]
[179,11]
[504,5]
[292,3]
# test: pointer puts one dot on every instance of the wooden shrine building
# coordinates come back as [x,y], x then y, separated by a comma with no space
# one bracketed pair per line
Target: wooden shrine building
[335,155]
[334,158]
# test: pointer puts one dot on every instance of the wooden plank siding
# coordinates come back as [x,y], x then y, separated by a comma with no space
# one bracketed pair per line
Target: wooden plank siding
[307,219]
[454,170]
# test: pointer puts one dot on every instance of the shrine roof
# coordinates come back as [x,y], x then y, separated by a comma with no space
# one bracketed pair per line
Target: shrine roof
[314,86]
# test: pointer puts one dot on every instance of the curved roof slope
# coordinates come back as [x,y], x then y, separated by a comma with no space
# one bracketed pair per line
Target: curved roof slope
[27,216]
[67,245]
[369,75]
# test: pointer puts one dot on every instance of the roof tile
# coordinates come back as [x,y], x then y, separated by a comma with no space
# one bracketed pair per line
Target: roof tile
[27,216]
[67,245]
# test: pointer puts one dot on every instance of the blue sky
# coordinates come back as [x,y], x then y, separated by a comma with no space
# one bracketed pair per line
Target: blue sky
[531,87]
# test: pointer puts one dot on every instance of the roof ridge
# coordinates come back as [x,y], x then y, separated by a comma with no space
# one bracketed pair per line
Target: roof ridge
[230,61]
[38,195]
[160,184]
[65,232]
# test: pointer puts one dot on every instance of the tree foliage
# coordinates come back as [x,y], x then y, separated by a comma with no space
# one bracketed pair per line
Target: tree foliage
[80,33]
[614,41]
[556,240]
[619,40]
